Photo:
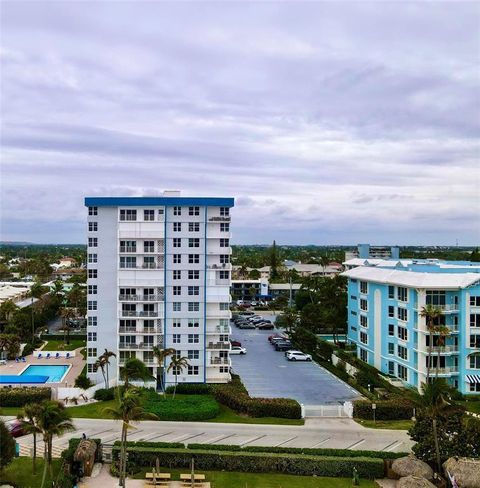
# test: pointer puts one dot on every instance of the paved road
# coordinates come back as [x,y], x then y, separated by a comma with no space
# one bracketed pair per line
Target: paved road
[267,373]
[328,433]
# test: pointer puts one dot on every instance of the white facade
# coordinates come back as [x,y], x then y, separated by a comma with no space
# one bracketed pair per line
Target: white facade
[159,275]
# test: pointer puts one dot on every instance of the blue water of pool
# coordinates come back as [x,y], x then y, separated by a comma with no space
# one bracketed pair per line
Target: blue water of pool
[55,372]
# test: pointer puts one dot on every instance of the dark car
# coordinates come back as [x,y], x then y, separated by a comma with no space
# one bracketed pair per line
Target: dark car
[283,346]
[235,343]
[16,429]
[265,326]
[278,339]
[246,325]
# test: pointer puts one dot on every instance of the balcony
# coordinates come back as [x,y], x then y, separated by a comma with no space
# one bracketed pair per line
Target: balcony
[219,329]
[219,361]
[134,330]
[223,218]
[444,371]
[447,308]
[130,313]
[143,266]
[130,345]
[141,298]
[444,349]
[129,249]
[220,266]
[219,345]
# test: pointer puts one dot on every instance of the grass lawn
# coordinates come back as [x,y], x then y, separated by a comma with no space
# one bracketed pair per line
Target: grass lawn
[60,346]
[386,424]
[19,471]
[224,479]
[471,406]
[227,415]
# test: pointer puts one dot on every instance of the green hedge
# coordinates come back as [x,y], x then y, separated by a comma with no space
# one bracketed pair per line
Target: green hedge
[253,462]
[104,394]
[191,389]
[61,337]
[155,445]
[394,409]
[19,397]
[235,396]
[67,454]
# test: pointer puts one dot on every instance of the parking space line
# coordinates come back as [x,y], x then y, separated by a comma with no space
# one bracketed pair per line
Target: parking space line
[355,444]
[252,440]
[221,438]
[284,442]
[320,443]
[162,435]
[392,446]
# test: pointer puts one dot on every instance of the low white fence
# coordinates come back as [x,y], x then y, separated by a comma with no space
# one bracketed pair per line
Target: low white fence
[325,411]
[62,393]
[350,370]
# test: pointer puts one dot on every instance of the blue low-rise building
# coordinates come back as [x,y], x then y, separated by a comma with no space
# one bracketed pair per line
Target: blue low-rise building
[385,321]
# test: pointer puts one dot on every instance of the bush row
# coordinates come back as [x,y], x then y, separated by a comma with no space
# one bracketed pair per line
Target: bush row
[60,337]
[191,389]
[394,409]
[253,462]
[235,396]
[155,445]
[104,394]
[19,397]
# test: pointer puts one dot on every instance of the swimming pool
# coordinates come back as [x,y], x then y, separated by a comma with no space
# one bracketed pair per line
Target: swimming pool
[54,373]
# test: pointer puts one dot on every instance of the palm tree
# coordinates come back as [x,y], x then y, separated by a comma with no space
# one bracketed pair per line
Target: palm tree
[67,314]
[161,355]
[134,369]
[101,363]
[52,419]
[29,420]
[10,343]
[431,314]
[177,364]
[324,262]
[106,357]
[7,309]
[443,332]
[128,410]
[57,289]
[36,291]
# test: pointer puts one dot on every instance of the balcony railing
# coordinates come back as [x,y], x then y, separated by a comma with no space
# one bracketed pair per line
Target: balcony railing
[140,345]
[128,249]
[142,266]
[444,349]
[223,218]
[130,313]
[219,329]
[219,345]
[451,307]
[446,370]
[135,330]
[141,298]
[220,266]
[219,361]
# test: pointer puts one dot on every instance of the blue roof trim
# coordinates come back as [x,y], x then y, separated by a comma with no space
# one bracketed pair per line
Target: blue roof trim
[158,201]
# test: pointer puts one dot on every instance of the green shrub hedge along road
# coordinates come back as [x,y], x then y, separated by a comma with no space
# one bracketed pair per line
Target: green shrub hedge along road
[19,397]
[19,473]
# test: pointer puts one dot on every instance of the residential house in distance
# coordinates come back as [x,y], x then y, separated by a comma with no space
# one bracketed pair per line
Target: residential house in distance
[159,275]
[366,251]
[67,262]
[385,302]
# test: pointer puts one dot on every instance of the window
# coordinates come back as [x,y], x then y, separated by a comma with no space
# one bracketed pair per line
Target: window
[92,352]
[177,242]
[148,324]
[475,362]
[402,314]
[402,294]
[194,227]
[194,290]
[92,305]
[92,242]
[391,368]
[92,258]
[177,211]
[192,370]
[475,341]
[363,287]
[474,320]
[149,215]
[91,368]
[92,210]
[193,354]
[402,352]
[193,274]
[128,246]
[475,301]
[149,262]
[435,297]
[402,372]
[353,312]
[177,290]
[193,210]
[176,323]
[92,337]
[148,246]
[224,211]
[177,227]
[177,274]
[92,273]
[193,307]
[224,306]
[364,355]
[193,323]
[92,289]
[128,214]
[92,226]
[391,291]
[193,258]
[224,242]
[391,348]
[224,227]
[391,329]
[194,242]
[224,258]
[193,338]
[223,369]
[161,213]
[177,259]
[402,333]
[128,262]
[363,338]
[391,311]
[353,297]
[224,275]
[475,387]
[364,321]
[177,306]
[92,321]
[363,304]
[176,338]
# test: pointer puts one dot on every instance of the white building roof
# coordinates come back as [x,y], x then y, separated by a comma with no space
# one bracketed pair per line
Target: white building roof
[284,286]
[413,279]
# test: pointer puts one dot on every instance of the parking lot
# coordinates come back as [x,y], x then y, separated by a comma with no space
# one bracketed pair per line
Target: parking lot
[267,373]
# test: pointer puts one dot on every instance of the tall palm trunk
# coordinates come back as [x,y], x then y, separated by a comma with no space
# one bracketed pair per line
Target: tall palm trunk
[437,447]
[45,460]
[34,461]
[437,369]
[429,356]
[123,451]
[108,379]
[176,381]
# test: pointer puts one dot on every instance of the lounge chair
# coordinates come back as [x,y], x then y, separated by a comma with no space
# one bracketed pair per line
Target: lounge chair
[17,360]
[47,356]
[57,355]
[39,355]
[23,359]
[67,356]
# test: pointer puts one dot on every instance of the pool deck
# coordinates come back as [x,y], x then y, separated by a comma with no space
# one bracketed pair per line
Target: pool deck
[77,362]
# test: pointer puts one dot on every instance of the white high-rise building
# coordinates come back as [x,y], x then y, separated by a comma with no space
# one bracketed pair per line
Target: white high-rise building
[159,275]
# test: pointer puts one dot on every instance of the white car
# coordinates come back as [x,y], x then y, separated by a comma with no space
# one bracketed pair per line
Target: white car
[238,350]
[298,356]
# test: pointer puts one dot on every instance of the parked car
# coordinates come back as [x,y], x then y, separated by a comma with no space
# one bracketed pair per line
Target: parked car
[254,303]
[246,325]
[238,350]
[298,356]
[265,326]
[15,428]
[235,343]
[274,336]
[283,346]
[278,339]
[246,313]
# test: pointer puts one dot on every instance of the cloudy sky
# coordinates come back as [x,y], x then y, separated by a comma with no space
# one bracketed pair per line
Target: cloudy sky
[330,123]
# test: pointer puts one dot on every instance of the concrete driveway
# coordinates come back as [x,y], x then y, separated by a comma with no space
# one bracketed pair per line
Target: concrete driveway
[267,373]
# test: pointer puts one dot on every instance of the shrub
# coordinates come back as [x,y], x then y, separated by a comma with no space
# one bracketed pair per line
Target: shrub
[366,377]
[191,389]
[157,445]
[19,397]
[189,408]
[104,394]
[31,346]
[394,409]
[325,350]
[83,382]
[7,446]
[235,396]
[253,462]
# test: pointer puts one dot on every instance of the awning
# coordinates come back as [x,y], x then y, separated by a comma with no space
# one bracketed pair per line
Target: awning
[473,378]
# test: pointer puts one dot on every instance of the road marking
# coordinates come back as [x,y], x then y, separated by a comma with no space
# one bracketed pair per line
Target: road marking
[393,445]
[252,440]
[149,436]
[182,437]
[193,436]
[221,438]
[320,443]
[355,444]
[162,435]
[284,442]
